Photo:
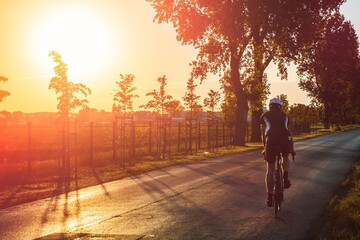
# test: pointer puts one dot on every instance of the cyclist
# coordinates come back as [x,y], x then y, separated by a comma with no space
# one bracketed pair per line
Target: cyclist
[275,132]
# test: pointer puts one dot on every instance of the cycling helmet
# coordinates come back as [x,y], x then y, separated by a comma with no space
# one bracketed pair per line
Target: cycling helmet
[276,101]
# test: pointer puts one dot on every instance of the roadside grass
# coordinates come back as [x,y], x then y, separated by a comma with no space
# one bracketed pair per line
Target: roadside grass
[341,219]
[147,166]
[34,187]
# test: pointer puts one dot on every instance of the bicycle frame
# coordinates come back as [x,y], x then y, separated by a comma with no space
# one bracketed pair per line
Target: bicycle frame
[278,192]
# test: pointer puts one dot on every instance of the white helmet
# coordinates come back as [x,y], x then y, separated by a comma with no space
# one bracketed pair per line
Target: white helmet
[276,101]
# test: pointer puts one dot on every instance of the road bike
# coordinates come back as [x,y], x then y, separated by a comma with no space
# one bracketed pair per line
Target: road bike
[278,192]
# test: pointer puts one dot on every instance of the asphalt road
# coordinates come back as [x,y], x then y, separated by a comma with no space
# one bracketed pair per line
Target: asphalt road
[219,198]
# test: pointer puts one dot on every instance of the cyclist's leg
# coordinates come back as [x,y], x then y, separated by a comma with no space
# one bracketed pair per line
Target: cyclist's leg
[270,156]
[285,167]
[285,163]
[269,177]
[285,152]
[269,183]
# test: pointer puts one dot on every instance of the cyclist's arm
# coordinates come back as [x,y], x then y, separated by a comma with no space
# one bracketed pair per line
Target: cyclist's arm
[263,135]
[289,126]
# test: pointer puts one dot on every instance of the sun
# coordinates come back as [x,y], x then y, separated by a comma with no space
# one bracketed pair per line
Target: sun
[80,37]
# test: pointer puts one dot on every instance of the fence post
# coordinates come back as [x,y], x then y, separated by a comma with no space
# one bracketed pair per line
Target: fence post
[190,136]
[186,137]
[223,126]
[114,141]
[217,135]
[178,142]
[76,153]
[63,149]
[68,152]
[91,143]
[170,140]
[58,134]
[199,135]
[29,146]
[132,137]
[158,138]
[208,135]
[163,137]
[150,130]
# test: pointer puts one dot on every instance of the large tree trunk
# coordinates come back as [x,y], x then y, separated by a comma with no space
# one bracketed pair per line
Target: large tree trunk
[241,120]
[255,126]
[241,101]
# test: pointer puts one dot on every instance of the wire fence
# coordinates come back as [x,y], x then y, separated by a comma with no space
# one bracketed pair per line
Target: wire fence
[60,148]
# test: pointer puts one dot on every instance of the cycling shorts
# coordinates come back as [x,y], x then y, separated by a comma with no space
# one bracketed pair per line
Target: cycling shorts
[270,148]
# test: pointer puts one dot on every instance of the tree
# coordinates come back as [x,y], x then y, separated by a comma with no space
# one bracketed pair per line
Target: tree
[211,102]
[301,113]
[174,108]
[160,98]
[123,97]
[228,104]
[229,33]
[328,66]
[191,99]
[355,99]
[67,99]
[3,93]
[284,99]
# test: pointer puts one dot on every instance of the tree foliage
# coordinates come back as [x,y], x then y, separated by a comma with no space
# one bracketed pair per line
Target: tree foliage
[328,67]
[233,34]
[3,93]
[67,91]
[284,99]
[211,102]
[174,108]
[191,100]
[228,105]
[124,95]
[160,98]
[301,113]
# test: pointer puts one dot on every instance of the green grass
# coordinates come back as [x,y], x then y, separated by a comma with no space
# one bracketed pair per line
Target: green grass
[341,219]
[181,159]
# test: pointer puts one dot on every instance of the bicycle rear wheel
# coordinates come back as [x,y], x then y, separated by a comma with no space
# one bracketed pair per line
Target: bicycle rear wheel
[277,204]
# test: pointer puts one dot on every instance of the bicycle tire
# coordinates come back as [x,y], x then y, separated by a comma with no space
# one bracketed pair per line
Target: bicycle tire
[277,205]
[278,185]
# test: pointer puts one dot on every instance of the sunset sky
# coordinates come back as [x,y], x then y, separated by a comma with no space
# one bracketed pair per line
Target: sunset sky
[100,40]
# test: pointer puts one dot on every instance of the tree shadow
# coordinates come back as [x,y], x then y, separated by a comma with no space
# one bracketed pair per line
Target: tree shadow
[99,181]
[17,190]
[185,209]
[62,185]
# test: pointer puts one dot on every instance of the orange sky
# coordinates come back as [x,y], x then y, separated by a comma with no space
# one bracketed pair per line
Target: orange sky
[99,40]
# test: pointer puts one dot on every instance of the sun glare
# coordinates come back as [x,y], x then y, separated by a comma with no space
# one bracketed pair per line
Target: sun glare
[81,38]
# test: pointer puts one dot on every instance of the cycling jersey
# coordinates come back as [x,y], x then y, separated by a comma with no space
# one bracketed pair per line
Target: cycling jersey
[276,126]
